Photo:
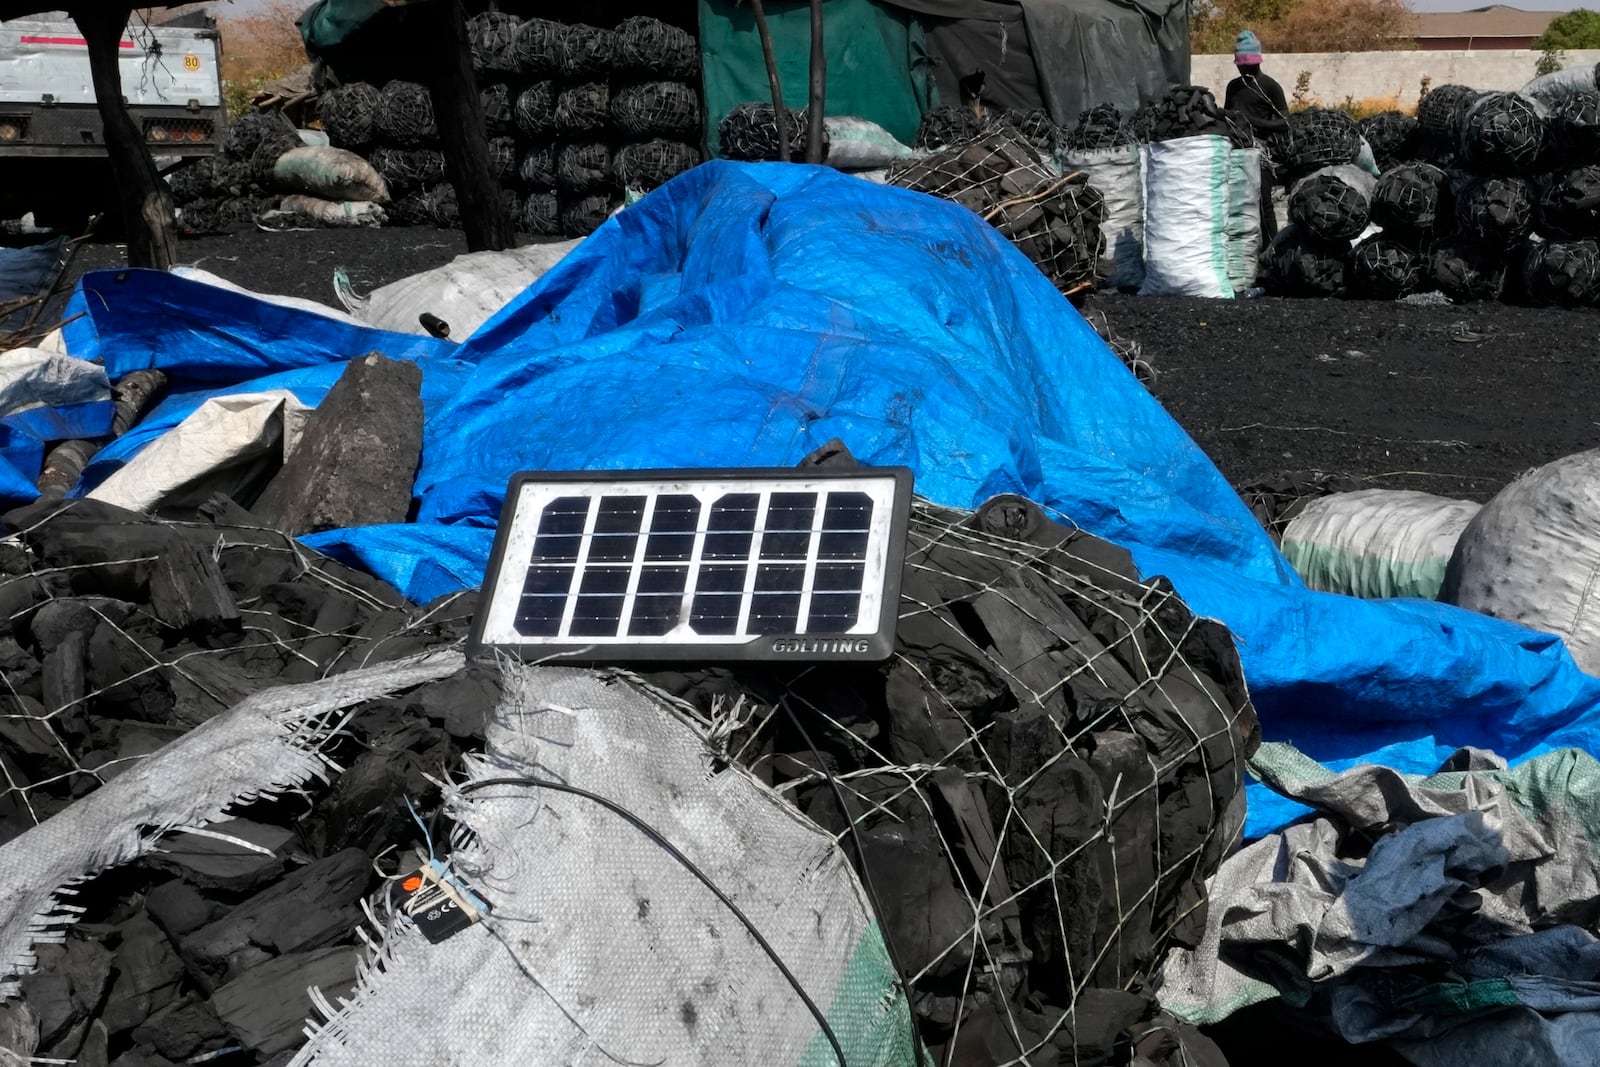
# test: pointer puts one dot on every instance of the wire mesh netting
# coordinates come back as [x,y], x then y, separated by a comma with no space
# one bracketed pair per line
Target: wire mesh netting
[1053,220]
[1128,350]
[651,164]
[1393,137]
[274,142]
[249,131]
[1573,130]
[407,118]
[1102,126]
[645,47]
[1440,115]
[1502,133]
[406,170]
[1496,212]
[493,35]
[536,51]
[1564,273]
[1468,273]
[1569,204]
[537,169]
[1319,137]
[949,124]
[503,158]
[541,213]
[1298,264]
[1385,268]
[1412,200]
[219,176]
[583,108]
[584,167]
[582,215]
[1332,205]
[536,110]
[1034,787]
[498,102]
[350,114]
[586,51]
[656,109]
[750,133]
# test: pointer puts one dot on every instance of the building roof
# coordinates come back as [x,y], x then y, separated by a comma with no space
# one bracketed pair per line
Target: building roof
[1497,20]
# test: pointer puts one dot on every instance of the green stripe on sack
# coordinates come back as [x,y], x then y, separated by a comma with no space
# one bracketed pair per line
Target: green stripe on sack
[1334,570]
[1219,213]
[868,1014]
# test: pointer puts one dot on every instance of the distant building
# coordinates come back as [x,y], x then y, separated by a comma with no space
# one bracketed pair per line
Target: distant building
[1494,27]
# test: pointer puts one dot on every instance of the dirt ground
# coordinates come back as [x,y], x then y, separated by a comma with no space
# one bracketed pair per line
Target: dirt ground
[1451,400]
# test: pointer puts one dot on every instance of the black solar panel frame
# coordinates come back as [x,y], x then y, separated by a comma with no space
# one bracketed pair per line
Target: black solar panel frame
[786,645]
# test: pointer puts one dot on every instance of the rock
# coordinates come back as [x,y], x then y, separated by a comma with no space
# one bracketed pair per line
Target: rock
[310,908]
[148,975]
[267,1006]
[357,458]
[211,863]
[183,1029]
[68,985]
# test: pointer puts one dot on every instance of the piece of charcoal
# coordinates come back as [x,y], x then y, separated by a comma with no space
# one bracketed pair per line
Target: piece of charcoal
[213,863]
[65,686]
[183,1029]
[266,1007]
[55,621]
[338,616]
[188,593]
[358,454]
[68,985]
[179,908]
[366,808]
[27,734]
[118,673]
[63,466]
[463,701]
[310,908]
[148,976]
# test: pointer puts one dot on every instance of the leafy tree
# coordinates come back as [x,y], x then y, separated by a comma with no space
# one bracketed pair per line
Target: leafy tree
[1302,25]
[1578,28]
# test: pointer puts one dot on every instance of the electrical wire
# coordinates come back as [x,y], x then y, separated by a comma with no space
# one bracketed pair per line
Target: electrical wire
[672,850]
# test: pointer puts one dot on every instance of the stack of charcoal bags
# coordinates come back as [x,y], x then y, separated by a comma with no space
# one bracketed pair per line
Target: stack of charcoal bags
[1034,789]
[577,116]
[1482,196]
[239,183]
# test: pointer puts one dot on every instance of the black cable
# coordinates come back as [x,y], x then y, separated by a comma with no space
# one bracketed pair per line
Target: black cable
[689,865]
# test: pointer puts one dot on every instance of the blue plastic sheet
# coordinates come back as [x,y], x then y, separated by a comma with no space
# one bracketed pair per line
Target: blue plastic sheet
[747,314]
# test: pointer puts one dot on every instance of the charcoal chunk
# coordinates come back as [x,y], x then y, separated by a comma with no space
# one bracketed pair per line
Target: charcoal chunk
[183,1029]
[178,908]
[148,976]
[463,701]
[267,1006]
[70,981]
[212,863]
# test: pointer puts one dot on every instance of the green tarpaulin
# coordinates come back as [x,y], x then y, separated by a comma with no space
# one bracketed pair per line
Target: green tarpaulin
[877,63]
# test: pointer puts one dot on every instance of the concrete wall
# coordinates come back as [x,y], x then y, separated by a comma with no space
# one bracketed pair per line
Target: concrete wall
[1363,75]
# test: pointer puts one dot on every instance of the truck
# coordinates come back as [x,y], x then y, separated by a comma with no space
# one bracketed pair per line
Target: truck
[52,146]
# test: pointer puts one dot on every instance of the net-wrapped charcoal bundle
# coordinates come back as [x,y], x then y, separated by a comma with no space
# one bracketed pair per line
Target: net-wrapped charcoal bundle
[645,166]
[749,133]
[406,170]
[1563,273]
[536,52]
[1573,130]
[499,108]
[583,108]
[1298,264]
[1502,133]
[407,119]
[645,47]
[537,169]
[656,109]
[1054,221]
[1413,202]
[1468,273]
[586,52]
[949,124]
[1190,111]
[541,213]
[1440,118]
[1384,268]
[442,207]
[535,113]
[503,158]
[247,132]
[1318,137]
[275,141]
[1495,212]
[582,215]
[1569,204]
[1334,204]
[1100,127]
[1393,138]
[493,35]
[216,177]
[200,218]
[584,167]
[1035,126]
[351,115]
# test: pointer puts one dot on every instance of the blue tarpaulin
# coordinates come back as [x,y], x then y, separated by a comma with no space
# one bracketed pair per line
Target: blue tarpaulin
[744,315]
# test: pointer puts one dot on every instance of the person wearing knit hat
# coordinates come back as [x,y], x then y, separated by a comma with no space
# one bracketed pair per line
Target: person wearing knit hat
[1260,101]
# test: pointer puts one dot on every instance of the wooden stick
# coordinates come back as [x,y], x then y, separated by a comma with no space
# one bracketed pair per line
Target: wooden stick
[778,114]
[442,40]
[819,87]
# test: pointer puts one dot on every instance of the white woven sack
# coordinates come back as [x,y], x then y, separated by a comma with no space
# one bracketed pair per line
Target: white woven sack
[1377,542]
[1186,218]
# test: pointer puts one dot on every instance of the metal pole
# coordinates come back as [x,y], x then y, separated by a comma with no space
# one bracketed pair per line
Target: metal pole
[778,114]
[818,102]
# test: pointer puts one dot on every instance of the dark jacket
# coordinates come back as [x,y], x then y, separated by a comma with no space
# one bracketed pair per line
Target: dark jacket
[1260,100]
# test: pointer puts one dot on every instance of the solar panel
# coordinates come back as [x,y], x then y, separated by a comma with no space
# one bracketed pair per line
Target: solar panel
[712,565]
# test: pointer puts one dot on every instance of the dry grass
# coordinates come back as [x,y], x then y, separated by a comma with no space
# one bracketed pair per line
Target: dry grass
[1303,25]
[257,49]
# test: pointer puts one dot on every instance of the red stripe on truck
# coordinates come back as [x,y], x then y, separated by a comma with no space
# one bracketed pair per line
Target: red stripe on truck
[78,41]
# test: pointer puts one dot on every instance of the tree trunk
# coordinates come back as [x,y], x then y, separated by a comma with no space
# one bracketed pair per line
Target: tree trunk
[818,102]
[459,114]
[779,115]
[142,195]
